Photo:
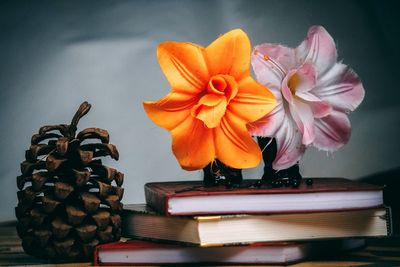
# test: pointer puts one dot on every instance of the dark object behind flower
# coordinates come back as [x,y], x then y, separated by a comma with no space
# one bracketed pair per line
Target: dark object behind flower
[286,177]
[217,173]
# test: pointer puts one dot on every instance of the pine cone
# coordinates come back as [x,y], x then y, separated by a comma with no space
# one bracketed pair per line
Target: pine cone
[68,202]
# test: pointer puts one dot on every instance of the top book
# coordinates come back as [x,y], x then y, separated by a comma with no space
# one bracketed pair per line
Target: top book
[325,194]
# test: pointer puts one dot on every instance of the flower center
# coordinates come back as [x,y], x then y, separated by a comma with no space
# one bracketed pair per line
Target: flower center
[217,85]
[299,82]
[294,82]
[222,85]
[212,106]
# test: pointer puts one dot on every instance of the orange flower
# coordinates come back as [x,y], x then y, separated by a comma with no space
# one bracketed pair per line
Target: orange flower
[212,99]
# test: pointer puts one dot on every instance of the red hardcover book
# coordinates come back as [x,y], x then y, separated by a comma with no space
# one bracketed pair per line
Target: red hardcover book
[325,194]
[137,252]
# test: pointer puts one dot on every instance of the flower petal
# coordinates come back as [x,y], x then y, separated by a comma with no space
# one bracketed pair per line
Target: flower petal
[171,110]
[319,48]
[303,116]
[252,101]
[211,100]
[332,132]
[284,56]
[192,144]
[210,111]
[271,62]
[320,109]
[184,66]
[286,90]
[306,78]
[268,125]
[234,145]
[289,145]
[229,54]
[341,87]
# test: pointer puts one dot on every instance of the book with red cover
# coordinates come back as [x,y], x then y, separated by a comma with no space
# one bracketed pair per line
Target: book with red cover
[192,198]
[137,252]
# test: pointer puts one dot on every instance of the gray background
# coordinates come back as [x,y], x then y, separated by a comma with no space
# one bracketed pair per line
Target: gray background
[56,54]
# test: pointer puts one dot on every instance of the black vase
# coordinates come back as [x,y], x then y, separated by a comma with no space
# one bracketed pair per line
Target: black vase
[290,176]
[217,173]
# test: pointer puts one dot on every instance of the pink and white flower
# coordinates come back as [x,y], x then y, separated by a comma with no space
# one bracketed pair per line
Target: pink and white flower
[313,91]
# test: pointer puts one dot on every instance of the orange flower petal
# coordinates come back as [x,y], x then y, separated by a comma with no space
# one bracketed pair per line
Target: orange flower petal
[211,100]
[210,110]
[234,145]
[184,66]
[253,101]
[229,54]
[192,144]
[171,110]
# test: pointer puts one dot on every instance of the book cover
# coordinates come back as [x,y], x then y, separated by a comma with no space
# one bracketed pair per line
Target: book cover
[192,198]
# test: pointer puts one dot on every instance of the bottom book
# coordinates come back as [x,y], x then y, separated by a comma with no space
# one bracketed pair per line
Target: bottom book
[138,252]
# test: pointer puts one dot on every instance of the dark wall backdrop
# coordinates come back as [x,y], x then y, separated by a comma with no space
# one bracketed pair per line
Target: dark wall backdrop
[55,54]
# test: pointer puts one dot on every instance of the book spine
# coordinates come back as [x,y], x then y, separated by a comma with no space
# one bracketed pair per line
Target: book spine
[156,200]
[96,256]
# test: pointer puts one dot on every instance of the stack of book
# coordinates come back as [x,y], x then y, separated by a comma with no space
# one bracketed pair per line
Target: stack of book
[184,222]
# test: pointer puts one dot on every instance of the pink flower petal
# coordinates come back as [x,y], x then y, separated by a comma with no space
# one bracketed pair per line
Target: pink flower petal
[271,62]
[303,116]
[341,87]
[320,109]
[269,124]
[308,97]
[306,78]
[283,55]
[332,131]
[289,145]
[318,48]
[286,90]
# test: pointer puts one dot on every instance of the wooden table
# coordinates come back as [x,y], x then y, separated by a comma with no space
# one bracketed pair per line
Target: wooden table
[378,252]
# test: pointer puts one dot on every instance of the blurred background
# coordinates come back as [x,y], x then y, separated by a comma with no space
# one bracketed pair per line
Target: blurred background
[56,54]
